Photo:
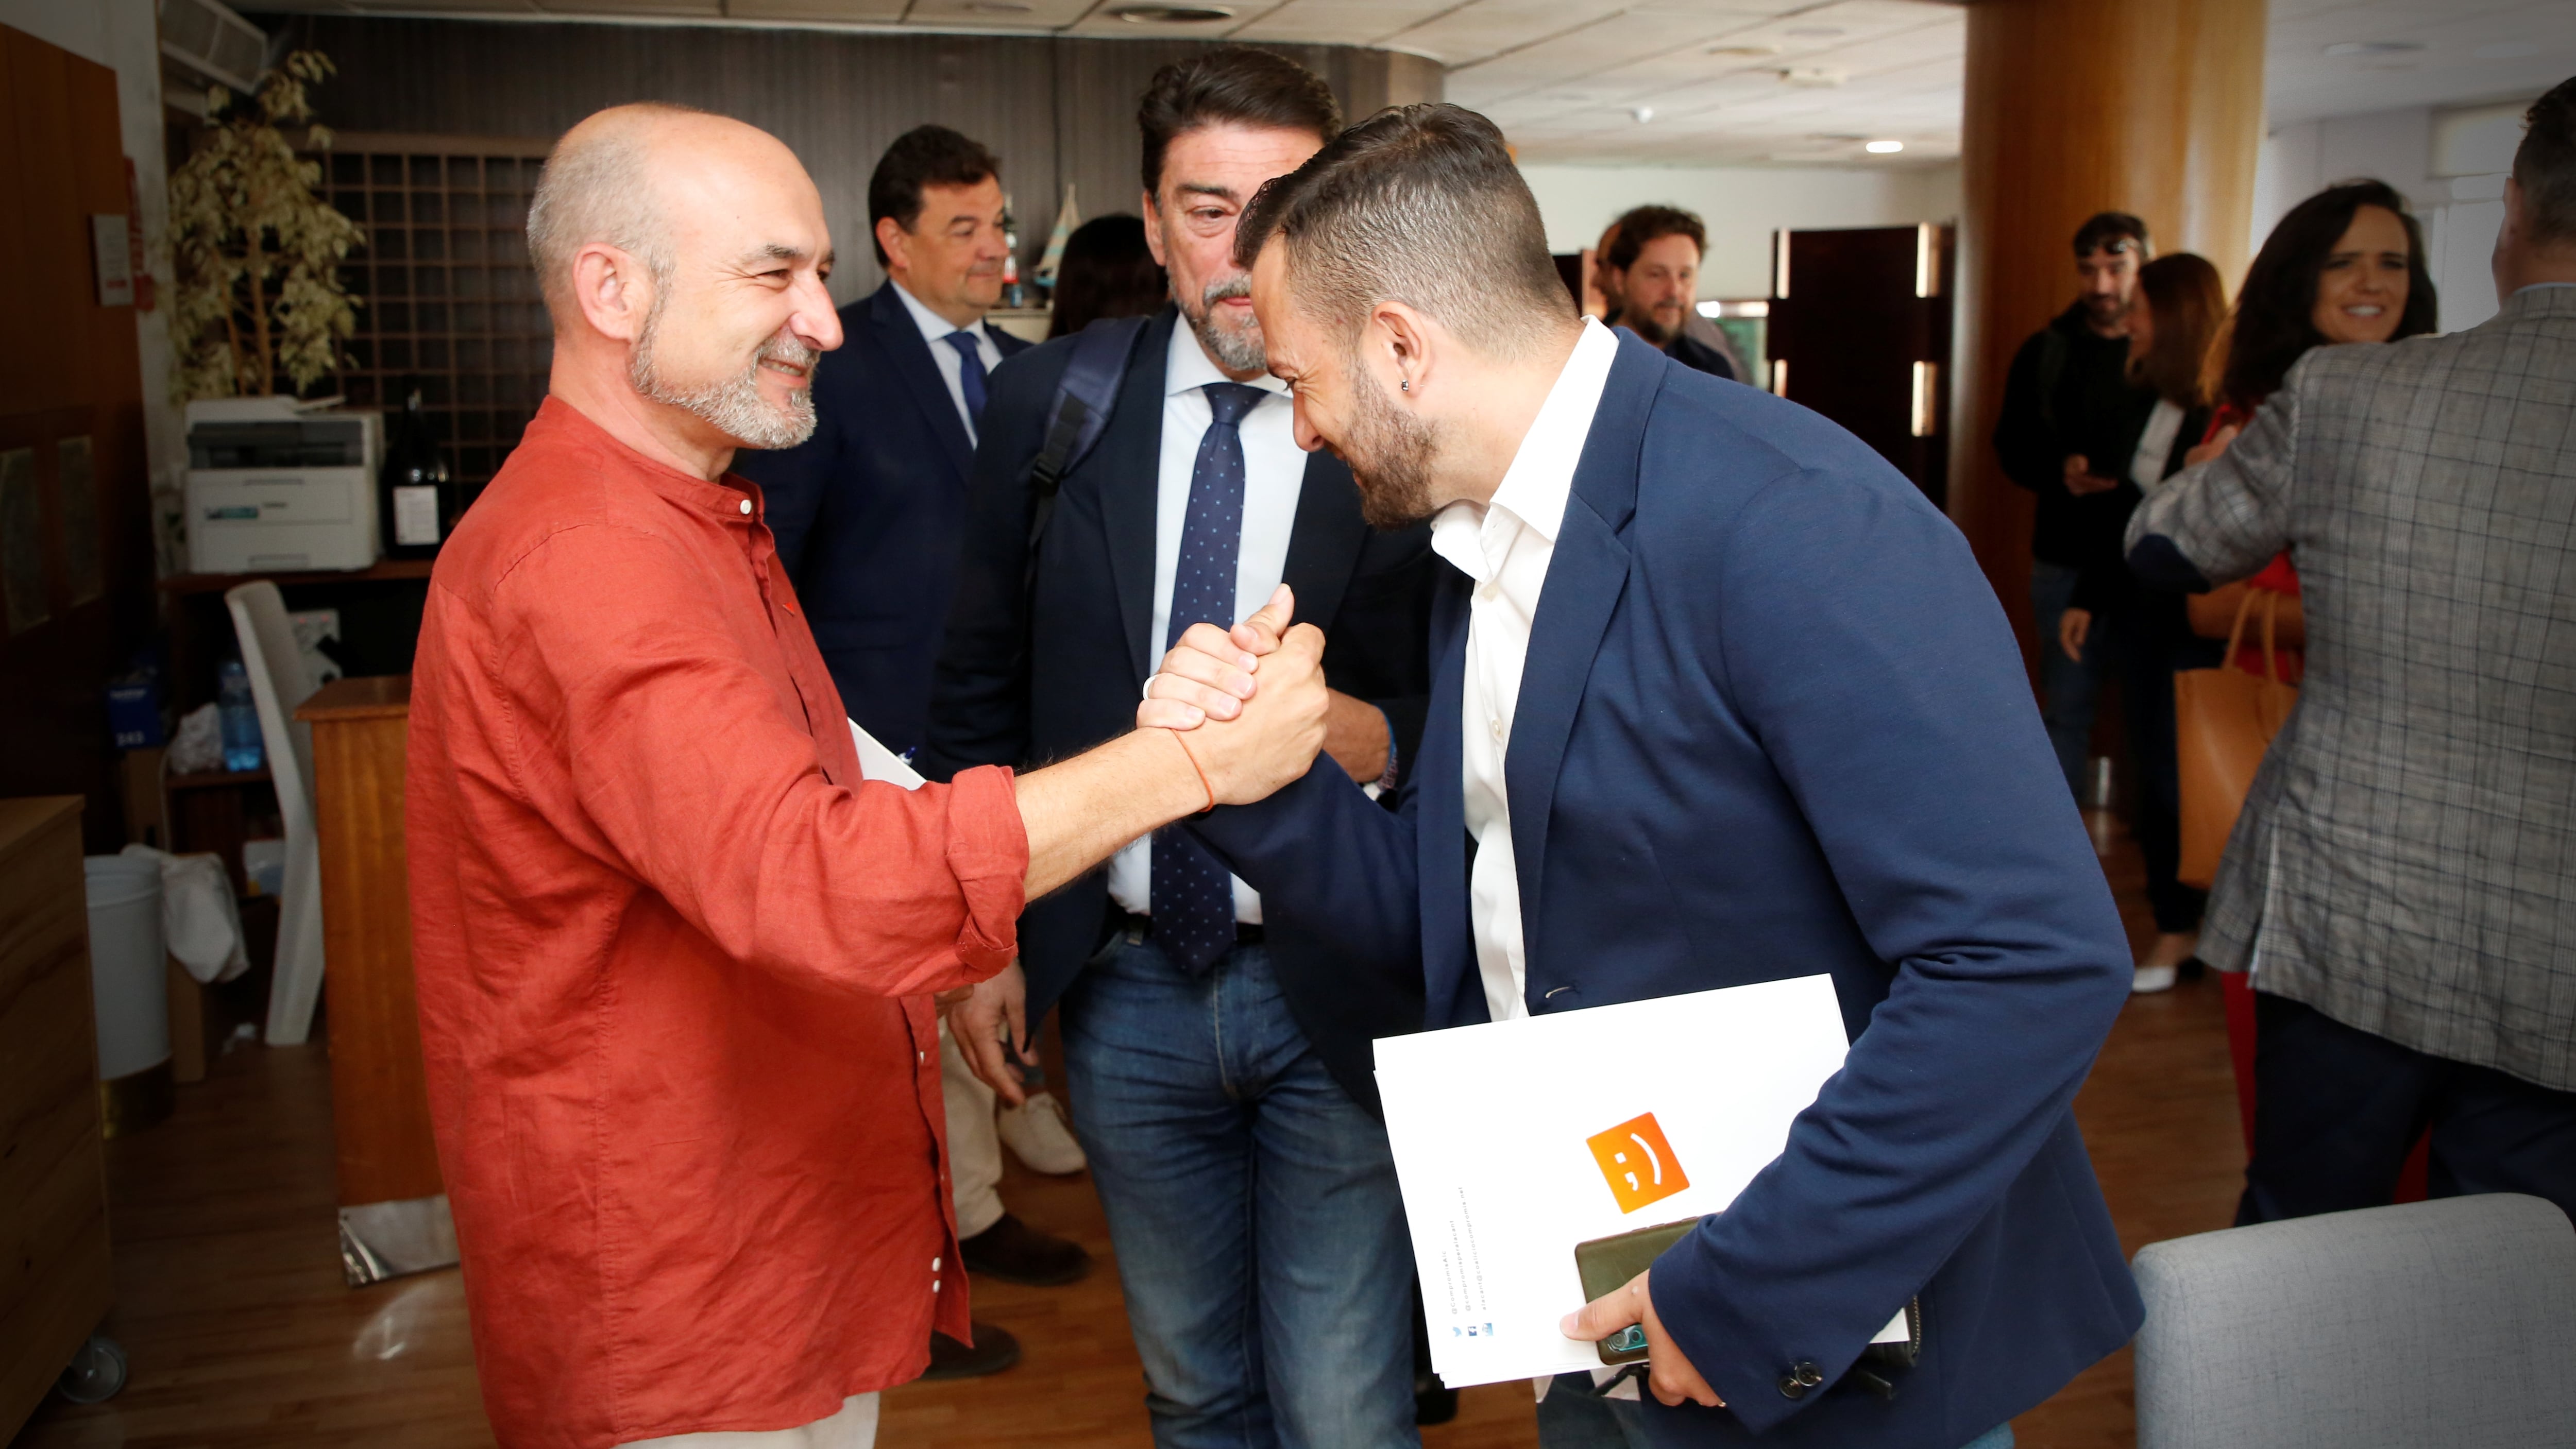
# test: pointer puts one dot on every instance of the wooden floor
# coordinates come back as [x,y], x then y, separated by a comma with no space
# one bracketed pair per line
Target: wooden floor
[241,1335]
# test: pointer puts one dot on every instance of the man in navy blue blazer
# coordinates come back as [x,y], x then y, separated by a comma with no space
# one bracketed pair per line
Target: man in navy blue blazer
[869,511]
[867,515]
[1717,698]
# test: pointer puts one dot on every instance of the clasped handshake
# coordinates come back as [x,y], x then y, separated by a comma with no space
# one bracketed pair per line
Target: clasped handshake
[1251,700]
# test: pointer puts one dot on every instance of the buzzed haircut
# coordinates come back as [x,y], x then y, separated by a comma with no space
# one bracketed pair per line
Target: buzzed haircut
[600,190]
[1232,84]
[2112,231]
[1419,204]
[921,157]
[2545,167]
[1630,233]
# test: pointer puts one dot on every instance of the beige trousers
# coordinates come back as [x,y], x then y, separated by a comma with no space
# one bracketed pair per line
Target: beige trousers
[854,1427]
[974,1149]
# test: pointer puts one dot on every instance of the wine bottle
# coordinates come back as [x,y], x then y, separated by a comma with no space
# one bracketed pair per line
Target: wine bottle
[418,499]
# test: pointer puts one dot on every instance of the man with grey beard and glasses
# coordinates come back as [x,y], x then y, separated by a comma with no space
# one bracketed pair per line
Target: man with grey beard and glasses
[1216,1055]
[676,956]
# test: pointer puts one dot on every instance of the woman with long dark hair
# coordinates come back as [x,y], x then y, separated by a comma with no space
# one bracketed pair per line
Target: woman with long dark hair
[2346,265]
[1106,271]
[2173,323]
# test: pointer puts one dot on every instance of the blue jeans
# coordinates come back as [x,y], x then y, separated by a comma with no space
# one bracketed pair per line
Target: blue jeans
[2067,689]
[1252,1203]
[1571,1417]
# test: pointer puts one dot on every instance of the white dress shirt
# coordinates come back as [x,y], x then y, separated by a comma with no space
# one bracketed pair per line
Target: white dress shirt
[1274,470]
[1504,547]
[2155,445]
[952,368]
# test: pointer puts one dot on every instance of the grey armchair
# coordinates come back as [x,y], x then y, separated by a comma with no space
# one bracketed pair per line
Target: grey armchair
[2448,1323]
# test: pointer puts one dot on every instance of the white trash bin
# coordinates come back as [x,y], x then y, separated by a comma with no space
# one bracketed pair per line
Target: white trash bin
[129,990]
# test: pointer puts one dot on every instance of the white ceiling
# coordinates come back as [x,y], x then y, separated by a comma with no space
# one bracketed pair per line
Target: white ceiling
[1566,79]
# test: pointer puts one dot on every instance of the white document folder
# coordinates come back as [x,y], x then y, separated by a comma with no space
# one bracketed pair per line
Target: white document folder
[1494,1130]
[876,762]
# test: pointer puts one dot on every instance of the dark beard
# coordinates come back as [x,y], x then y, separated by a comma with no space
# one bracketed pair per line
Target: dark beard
[1389,451]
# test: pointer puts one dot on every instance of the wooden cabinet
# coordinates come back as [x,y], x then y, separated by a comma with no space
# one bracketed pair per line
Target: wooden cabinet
[55,1278]
[393,1204]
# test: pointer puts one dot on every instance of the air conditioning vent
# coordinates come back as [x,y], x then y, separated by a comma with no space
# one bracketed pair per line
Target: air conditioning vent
[208,39]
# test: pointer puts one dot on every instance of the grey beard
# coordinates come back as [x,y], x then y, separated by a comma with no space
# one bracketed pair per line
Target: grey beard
[1389,451]
[734,406]
[1233,351]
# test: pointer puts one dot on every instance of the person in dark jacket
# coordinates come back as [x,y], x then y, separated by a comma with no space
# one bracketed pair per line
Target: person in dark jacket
[2071,417]
[1649,273]
[2180,306]
[866,515]
[1217,1054]
[1107,271]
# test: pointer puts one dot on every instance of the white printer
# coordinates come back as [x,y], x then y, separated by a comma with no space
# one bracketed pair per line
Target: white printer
[276,484]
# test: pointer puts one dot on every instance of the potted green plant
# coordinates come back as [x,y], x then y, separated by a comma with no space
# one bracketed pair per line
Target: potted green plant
[256,248]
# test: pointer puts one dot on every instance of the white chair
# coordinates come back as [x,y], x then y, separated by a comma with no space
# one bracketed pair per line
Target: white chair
[2439,1324]
[278,683]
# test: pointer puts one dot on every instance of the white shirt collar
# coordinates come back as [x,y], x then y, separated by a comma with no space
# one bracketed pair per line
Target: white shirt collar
[934,328]
[1186,365]
[1535,488]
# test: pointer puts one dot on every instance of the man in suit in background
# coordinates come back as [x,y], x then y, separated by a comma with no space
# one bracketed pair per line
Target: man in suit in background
[1216,1052]
[867,515]
[1717,698]
[2402,882]
[1650,277]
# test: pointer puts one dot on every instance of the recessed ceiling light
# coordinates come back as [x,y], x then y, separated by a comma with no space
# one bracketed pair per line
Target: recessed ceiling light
[1813,77]
[999,7]
[1641,114]
[2506,50]
[1884,148]
[1744,50]
[2346,49]
[1172,14]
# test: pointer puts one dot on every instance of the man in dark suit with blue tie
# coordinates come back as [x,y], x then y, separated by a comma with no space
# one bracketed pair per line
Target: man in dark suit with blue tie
[1216,1059]
[867,515]
[1717,699]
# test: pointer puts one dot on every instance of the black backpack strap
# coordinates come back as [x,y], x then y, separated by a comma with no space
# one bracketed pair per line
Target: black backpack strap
[1078,414]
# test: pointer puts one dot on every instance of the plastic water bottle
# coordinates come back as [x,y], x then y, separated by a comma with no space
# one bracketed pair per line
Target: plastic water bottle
[240,717]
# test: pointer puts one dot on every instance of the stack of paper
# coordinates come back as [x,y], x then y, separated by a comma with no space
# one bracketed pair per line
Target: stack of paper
[1515,1141]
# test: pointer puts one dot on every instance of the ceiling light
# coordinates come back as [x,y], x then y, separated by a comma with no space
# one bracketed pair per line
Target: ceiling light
[2506,50]
[1641,114]
[1884,148]
[1753,50]
[1813,32]
[1172,14]
[1813,77]
[999,7]
[2347,49]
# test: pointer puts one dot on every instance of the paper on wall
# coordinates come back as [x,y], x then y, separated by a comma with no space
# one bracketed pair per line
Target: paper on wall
[1515,1141]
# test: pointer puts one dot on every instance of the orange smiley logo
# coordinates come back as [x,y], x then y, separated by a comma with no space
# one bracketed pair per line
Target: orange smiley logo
[1637,1162]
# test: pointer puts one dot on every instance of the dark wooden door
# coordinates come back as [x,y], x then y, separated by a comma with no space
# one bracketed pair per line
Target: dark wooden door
[1860,332]
[75,526]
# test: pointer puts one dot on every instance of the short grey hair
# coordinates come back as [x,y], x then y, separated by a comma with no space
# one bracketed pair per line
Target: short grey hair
[599,188]
[1422,205]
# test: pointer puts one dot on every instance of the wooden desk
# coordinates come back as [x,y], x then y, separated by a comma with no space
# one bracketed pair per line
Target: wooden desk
[55,1277]
[393,1204]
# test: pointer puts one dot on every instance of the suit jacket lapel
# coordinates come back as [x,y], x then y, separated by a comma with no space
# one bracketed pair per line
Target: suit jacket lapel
[1128,461]
[1453,992]
[903,341]
[1324,540]
[1585,578]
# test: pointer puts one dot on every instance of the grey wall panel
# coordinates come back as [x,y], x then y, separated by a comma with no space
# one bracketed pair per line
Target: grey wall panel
[1055,109]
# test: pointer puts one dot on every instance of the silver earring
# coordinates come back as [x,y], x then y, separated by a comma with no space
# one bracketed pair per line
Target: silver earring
[1405,386]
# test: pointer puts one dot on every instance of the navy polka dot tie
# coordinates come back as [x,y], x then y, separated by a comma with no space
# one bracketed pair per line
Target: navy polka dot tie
[970,372]
[1193,899]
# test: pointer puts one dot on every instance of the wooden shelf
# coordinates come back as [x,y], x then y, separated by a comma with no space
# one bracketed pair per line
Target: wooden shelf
[385,570]
[212,779]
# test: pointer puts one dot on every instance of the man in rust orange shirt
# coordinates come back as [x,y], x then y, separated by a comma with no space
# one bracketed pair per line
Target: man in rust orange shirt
[676,961]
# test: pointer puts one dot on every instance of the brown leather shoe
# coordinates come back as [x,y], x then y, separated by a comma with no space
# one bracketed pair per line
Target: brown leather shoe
[1014,1252]
[995,1350]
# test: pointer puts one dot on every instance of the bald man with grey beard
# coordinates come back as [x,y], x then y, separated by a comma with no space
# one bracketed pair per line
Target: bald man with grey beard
[676,957]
